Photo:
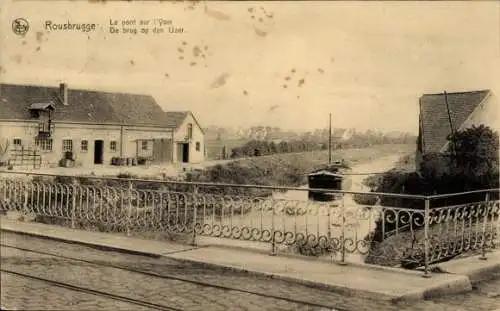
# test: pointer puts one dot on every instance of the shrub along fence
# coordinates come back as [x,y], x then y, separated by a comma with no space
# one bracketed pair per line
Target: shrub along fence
[379,234]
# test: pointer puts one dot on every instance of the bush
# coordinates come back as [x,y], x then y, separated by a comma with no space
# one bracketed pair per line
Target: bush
[259,148]
[365,199]
[471,163]
[126,175]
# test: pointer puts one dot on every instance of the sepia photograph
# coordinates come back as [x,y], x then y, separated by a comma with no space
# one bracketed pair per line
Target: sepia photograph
[249,155]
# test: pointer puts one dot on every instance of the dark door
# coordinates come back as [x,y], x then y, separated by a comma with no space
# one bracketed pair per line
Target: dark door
[98,151]
[185,153]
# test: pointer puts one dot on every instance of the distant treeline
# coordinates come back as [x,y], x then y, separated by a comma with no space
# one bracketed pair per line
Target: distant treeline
[255,148]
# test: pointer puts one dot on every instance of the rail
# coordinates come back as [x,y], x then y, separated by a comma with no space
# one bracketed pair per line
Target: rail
[409,231]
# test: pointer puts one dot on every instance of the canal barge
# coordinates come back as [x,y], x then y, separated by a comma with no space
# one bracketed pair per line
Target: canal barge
[333,176]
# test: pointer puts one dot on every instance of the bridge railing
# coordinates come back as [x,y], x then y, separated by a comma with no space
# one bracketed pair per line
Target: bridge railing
[400,230]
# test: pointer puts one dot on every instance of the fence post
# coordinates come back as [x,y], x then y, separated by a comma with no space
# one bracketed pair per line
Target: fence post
[195,209]
[73,202]
[129,212]
[426,238]
[342,235]
[486,213]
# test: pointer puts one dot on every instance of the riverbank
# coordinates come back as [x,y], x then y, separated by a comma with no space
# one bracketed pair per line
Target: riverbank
[291,169]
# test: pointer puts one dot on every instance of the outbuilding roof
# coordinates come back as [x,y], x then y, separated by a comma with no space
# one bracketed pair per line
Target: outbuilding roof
[434,119]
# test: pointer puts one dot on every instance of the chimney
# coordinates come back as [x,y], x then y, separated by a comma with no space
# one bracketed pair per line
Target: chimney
[63,93]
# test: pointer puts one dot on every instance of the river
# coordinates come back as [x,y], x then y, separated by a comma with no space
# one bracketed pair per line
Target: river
[359,222]
[320,218]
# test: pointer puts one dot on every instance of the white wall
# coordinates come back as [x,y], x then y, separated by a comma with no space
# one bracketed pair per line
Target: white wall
[28,130]
[486,113]
[195,156]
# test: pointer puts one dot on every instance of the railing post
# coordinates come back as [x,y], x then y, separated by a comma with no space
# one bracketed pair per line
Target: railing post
[195,209]
[426,238]
[25,202]
[73,203]
[342,235]
[486,213]
[273,237]
[129,212]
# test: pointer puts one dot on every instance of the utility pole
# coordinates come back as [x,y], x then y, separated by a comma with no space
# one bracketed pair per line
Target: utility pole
[452,129]
[330,140]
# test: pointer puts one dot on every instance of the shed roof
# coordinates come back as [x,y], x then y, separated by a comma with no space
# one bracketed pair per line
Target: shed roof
[434,120]
[325,173]
[42,106]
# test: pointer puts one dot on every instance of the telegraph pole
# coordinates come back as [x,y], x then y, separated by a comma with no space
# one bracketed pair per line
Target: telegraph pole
[330,140]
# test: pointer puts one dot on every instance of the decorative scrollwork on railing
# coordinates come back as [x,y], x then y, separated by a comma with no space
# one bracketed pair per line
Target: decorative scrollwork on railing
[459,229]
[392,236]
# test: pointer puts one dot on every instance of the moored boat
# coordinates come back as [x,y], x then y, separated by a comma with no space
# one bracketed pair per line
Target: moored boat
[333,176]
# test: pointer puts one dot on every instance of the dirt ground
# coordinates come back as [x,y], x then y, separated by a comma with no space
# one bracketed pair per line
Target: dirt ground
[176,170]
[150,171]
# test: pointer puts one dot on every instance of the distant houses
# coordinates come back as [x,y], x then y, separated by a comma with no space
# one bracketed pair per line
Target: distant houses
[43,126]
[444,113]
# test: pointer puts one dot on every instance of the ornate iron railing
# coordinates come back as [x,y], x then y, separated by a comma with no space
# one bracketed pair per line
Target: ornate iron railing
[282,217]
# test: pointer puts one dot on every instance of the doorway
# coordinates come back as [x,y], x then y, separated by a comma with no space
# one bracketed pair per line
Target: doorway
[98,152]
[185,153]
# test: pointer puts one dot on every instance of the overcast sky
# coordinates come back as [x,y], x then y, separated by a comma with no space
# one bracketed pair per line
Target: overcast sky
[366,63]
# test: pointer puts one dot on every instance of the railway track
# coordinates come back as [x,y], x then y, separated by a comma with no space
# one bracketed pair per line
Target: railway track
[170,277]
[85,290]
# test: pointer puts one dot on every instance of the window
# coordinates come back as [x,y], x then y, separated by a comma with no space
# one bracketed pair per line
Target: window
[112,145]
[144,145]
[190,131]
[84,146]
[17,142]
[44,144]
[197,146]
[67,145]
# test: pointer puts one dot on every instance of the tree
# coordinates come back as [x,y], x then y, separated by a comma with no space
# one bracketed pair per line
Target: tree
[474,154]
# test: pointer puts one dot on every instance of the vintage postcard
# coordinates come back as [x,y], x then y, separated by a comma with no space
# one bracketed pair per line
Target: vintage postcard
[175,154]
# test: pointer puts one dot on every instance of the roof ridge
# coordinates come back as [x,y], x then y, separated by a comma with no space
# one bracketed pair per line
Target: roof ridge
[460,92]
[178,111]
[77,89]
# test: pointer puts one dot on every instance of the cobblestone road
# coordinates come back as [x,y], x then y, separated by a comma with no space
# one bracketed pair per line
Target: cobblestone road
[26,294]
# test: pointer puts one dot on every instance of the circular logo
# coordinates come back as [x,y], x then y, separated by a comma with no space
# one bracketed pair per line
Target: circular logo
[20,26]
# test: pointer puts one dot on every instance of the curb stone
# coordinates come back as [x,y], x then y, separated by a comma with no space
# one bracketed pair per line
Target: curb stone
[88,244]
[459,286]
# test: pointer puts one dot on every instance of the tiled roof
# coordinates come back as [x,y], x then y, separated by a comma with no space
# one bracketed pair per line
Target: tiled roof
[83,105]
[174,119]
[434,120]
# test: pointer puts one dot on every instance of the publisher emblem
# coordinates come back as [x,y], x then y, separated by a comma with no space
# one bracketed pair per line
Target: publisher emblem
[20,26]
